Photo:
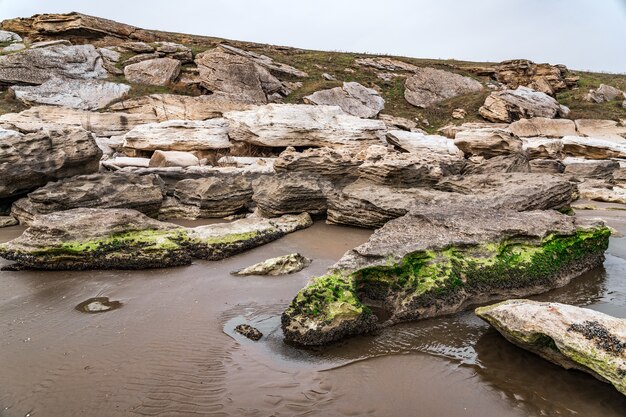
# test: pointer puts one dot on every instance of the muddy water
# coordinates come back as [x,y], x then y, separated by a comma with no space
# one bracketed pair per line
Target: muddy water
[170,349]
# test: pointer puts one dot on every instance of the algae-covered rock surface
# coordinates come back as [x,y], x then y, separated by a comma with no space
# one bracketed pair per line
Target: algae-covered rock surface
[569,336]
[438,260]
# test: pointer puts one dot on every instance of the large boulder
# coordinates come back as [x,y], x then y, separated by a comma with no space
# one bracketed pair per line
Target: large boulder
[437,260]
[9,37]
[416,142]
[160,71]
[523,103]
[581,168]
[36,66]
[605,93]
[108,190]
[336,164]
[282,125]
[277,69]
[487,142]
[213,197]
[601,128]
[543,127]
[549,79]
[429,86]
[593,148]
[28,161]
[173,159]
[289,193]
[353,98]
[571,337]
[87,238]
[179,135]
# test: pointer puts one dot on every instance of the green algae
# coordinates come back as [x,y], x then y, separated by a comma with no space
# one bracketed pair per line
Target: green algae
[423,277]
[229,238]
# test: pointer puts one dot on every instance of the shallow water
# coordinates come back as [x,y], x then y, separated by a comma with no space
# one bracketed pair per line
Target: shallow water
[170,350]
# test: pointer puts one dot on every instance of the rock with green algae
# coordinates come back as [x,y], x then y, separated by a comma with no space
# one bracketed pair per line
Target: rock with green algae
[569,336]
[437,260]
[127,239]
[281,265]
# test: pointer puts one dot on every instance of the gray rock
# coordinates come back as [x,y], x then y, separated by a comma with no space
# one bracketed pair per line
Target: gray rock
[6,221]
[14,47]
[6,36]
[160,71]
[47,44]
[386,64]
[605,93]
[430,86]
[336,164]
[353,98]
[214,197]
[522,103]
[487,142]
[281,265]
[277,69]
[547,166]
[288,194]
[569,336]
[594,169]
[179,135]
[28,161]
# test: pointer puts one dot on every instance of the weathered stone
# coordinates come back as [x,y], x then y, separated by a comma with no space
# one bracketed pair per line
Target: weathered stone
[522,103]
[605,93]
[569,336]
[288,194]
[282,125]
[138,47]
[450,131]
[581,168]
[487,142]
[179,135]
[397,123]
[248,331]
[175,107]
[160,71]
[173,159]
[142,57]
[109,190]
[6,36]
[28,161]
[327,162]
[600,128]
[543,127]
[14,47]
[430,86]
[515,162]
[281,265]
[540,148]
[36,66]
[277,69]
[386,64]
[598,190]
[353,98]
[415,142]
[6,221]
[99,123]
[437,260]
[46,44]
[593,147]
[549,79]
[459,114]
[214,197]
[175,51]
[124,161]
[76,94]
[546,166]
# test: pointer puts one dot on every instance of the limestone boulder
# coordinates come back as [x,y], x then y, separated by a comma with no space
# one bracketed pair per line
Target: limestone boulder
[488,142]
[515,162]
[398,123]
[28,161]
[416,142]
[290,193]
[437,260]
[386,64]
[72,93]
[543,148]
[277,69]
[282,125]
[523,103]
[601,128]
[593,147]
[543,127]
[7,221]
[599,190]
[571,337]
[281,265]
[336,164]
[9,37]
[429,86]
[179,135]
[214,197]
[160,71]
[546,78]
[605,93]
[173,159]
[546,166]
[106,190]
[353,98]
[581,168]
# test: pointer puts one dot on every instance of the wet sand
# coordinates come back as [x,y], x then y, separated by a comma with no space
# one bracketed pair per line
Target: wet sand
[170,349]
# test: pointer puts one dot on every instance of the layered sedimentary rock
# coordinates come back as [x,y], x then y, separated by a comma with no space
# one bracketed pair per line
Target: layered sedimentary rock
[214,197]
[515,162]
[605,93]
[487,142]
[549,79]
[179,135]
[569,336]
[290,193]
[160,71]
[28,161]
[601,128]
[429,86]
[353,98]
[386,64]
[87,238]
[281,265]
[336,164]
[593,148]
[278,69]
[282,125]
[581,168]
[109,190]
[543,127]
[173,159]
[415,142]
[522,103]
[438,260]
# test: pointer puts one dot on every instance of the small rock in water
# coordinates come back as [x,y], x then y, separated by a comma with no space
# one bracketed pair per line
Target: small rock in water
[249,332]
[98,305]
[286,264]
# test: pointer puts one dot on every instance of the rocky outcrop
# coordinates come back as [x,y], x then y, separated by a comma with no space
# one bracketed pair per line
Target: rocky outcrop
[605,93]
[179,135]
[353,98]
[546,166]
[549,79]
[581,168]
[173,159]
[160,71]
[213,197]
[522,103]
[336,164]
[282,125]
[599,190]
[415,142]
[429,86]
[601,128]
[543,127]
[28,161]
[487,142]
[281,265]
[437,260]
[289,193]
[127,239]
[571,337]
[109,190]
[593,148]
[386,64]
[36,66]
[75,94]
[7,221]
[277,69]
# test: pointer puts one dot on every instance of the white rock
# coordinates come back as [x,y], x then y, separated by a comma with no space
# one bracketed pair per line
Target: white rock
[6,36]
[522,103]
[173,159]
[415,142]
[353,98]
[179,135]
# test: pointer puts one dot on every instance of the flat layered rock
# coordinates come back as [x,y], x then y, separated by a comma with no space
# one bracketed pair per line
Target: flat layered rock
[593,147]
[290,193]
[277,69]
[541,148]
[437,260]
[173,159]
[549,79]
[106,190]
[598,190]
[571,337]
[515,162]
[353,98]
[522,103]
[386,64]
[543,127]
[582,168]
[281,265]
[72,93]
[36,66]
[7,221]
[601,128]
[429,86]
[160,71]
[327,162]
[179,135]
[28,161]
[214,197]
[282,125]
[487,142]
[87,238]
[415,142]
[605,93]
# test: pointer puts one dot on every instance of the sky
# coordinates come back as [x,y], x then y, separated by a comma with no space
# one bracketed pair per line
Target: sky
[582,34]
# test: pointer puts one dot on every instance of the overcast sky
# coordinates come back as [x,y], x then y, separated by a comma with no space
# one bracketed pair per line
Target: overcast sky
[583,34]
